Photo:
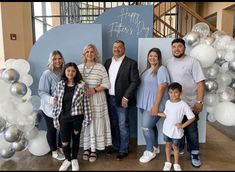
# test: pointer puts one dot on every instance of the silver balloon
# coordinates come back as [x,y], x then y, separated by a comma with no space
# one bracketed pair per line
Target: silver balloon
[20,145]
[211,99]
[7,153]
[192,38]
[224,79]
[12,133]
[212,72]
[211,85]
[231,66]
[10,75]
[18,89]
[232,85]
[2,124]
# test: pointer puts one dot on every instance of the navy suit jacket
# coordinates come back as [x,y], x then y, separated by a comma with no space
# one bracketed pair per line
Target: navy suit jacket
[127,80]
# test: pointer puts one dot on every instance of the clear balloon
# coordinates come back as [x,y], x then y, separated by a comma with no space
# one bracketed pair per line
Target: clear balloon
[225,94]
[224,113]
[211,99]
[38,145]
[229,56]
[211,118]
[224,79]
[10,75]
[18,89]
[208,40]
[230,46]
[212,71]
[30,134]
[202,28]
[206,54]
[217,34]
[8,63]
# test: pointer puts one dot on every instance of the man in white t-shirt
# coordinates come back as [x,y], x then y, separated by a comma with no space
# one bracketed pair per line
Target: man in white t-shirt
[187,71]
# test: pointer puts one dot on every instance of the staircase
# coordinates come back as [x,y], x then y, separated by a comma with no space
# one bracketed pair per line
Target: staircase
[175,19]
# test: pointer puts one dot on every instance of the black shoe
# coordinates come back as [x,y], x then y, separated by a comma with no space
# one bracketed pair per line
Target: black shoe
[110,150]
[121,155]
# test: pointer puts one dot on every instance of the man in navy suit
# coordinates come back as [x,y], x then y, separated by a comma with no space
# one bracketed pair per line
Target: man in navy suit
[124,78]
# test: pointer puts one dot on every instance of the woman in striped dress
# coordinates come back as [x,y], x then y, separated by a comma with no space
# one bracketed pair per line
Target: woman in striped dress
[97,135]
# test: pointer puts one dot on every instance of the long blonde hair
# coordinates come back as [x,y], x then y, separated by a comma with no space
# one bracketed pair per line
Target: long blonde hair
[97,56]
[157,66]
[50,60]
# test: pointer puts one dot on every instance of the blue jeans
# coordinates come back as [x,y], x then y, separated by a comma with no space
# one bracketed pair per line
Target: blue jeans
[149,129]
[191,135]
[119,125]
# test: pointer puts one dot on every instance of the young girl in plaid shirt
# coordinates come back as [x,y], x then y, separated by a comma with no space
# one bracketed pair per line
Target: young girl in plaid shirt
[71,112]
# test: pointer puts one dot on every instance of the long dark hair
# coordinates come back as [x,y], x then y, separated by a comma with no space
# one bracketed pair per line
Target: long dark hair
[159,57]
[78,77]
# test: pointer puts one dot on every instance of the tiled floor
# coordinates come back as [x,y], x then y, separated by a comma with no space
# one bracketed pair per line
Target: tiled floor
[218,153]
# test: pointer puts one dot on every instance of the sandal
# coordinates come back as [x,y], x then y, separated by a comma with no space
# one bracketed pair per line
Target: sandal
[93,157]
[86,155]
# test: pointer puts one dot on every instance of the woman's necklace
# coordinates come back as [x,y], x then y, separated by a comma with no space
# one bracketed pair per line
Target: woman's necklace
[86,74]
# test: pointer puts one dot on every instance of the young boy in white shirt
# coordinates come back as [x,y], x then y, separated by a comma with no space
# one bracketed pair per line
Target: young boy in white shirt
[175,109]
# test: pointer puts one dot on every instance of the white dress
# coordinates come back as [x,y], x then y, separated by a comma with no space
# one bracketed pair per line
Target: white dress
[98,134]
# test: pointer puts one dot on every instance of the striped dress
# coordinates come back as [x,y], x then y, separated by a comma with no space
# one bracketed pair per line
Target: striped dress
[98,134]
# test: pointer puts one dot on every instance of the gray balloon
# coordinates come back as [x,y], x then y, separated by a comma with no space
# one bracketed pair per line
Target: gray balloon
[231,66]
[18,89]
[192,38]
[12,133]
[2,124]
[7,153]
[211,85]
[20,145]
[10,75]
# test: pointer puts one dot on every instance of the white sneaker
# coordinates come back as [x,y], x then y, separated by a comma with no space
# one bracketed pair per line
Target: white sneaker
[156,150]
[177,167]
[147,156]
[167,166]
[75,165]
[65,165]
[57,155]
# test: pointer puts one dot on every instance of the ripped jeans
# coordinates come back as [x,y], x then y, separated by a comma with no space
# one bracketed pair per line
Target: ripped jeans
[149,128]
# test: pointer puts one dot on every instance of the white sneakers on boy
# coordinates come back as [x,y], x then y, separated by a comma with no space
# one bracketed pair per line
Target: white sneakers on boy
[75,165]
[177,167]
[167,166]
[57,155]
[65,165]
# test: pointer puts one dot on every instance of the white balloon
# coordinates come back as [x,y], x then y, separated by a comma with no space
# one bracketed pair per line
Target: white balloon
[4,91]
[21,65]
[38,145]
[224,113]
[25,108]
[26,79]
[9,63]
[206,54]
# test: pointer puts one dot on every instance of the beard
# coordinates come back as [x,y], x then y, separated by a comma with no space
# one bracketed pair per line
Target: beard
[178,56]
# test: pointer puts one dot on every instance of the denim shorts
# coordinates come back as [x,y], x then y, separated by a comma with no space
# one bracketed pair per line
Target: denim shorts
[175,142]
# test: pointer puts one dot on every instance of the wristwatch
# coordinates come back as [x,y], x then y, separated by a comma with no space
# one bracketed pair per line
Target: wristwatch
[200,102]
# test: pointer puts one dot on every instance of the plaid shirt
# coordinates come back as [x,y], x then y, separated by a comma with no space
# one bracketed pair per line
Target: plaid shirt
[80,103]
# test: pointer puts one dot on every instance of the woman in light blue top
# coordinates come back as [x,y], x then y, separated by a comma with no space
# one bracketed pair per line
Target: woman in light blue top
[151,98]
[46,88]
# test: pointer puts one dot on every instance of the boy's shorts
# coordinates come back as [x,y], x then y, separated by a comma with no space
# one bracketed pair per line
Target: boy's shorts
[176,142]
